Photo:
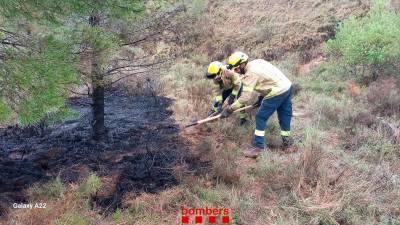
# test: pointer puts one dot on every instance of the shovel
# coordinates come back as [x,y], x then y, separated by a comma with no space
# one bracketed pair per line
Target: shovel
[216,117]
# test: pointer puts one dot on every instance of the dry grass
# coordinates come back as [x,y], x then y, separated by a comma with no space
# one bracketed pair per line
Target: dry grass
[354,181]
[325,186]
[225,168]
[384,96]
[68,205]
[162,208]
[270,29]
[185,83]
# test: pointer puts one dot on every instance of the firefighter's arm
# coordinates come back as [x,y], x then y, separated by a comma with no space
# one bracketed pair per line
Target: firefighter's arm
[235,82]
[217,99]
[249,83]
[217,92]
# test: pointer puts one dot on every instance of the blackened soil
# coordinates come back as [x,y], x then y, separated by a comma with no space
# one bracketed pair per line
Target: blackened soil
[138,156]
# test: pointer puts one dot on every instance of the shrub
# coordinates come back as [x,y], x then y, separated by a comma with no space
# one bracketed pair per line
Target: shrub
[52,189]
[185,32]
[370,144]
[340,113]
[370,44]
[91,186]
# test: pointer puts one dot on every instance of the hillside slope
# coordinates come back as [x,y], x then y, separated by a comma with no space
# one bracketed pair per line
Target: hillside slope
[269,29]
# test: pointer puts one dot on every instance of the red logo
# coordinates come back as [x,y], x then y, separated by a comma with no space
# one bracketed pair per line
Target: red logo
[201,215]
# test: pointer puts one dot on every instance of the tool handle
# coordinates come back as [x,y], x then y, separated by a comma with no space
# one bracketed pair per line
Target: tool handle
[204,120]
[216,117]
[213,114]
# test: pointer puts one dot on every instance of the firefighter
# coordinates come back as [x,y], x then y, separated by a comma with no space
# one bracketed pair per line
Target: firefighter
[226,86]
[274,91]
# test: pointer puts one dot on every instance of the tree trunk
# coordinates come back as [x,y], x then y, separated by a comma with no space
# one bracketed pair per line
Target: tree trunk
[97,78]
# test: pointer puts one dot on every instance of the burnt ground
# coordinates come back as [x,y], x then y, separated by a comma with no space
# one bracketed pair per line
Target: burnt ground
[138,156]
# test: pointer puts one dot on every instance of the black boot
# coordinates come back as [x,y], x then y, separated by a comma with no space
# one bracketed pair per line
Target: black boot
[287,141]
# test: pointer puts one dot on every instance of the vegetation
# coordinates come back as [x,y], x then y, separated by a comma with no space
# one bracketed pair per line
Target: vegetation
[344,168]
[369,45]
[35,77]
[63,44]
[53,189]
[64,204]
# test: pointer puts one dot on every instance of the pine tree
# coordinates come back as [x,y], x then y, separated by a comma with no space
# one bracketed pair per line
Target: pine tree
[48,46]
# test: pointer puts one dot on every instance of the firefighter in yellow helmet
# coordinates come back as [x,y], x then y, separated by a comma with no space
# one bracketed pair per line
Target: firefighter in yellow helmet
[274,91]
[227,86]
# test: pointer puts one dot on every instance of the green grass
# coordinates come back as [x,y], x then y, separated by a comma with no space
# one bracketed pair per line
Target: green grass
[90,186]
[50,190]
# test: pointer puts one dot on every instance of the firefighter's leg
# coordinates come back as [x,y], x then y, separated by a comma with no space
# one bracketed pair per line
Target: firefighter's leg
[285,116]
[265,111]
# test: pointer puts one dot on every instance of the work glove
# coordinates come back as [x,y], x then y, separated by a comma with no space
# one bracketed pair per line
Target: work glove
[226,112]
[231,99]
[258,102]
[217,107]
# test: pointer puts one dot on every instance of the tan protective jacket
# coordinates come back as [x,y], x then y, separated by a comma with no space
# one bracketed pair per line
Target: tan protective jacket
[265,79]
[228,81]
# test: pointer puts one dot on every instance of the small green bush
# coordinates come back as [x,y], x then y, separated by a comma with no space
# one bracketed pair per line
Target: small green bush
[118,216]
[52,189]
[91,186]
[370,44]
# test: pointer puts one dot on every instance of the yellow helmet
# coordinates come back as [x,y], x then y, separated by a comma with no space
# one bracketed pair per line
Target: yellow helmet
[214,69]
[237,58]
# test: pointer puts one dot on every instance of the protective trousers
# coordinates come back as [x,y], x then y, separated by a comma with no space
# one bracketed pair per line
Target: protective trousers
[283,105]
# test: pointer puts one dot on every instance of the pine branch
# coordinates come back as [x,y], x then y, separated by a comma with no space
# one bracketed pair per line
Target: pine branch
[136,66]
[126,76]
